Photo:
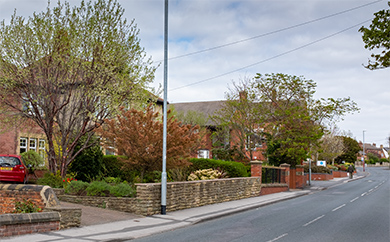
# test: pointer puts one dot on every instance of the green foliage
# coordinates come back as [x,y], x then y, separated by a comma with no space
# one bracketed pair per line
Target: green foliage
[76,188]
[232,168]
[205,174]
[317,169]
[33,159]
[178,174]
[228,154]
[97,60]
[112,166]
[26,206]
[122,190]
[351,149]
[52,180]
[377,37]
[98,188]
[384,160]
[372,158]
[88,164]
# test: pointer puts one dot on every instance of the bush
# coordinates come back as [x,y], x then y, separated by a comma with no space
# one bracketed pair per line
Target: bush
[122,190]
[383,160]
[98,188]
[52,180]
[232,168]
[33,159]
[76,188]
[88,164]
[26,206]
[317,169]
[205,174]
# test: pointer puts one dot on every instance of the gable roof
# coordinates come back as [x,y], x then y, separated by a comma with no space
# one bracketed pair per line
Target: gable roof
[207,108]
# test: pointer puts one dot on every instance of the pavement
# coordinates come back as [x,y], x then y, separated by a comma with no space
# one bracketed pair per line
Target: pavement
[108,225]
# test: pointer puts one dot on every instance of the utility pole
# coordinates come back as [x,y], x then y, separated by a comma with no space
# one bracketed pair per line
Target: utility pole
[364,153]
[164,155]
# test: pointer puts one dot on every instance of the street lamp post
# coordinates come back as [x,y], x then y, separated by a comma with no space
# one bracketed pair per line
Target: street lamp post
[164,155]
[364,153]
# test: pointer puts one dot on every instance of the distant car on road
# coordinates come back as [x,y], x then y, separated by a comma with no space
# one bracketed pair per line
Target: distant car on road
[12,169]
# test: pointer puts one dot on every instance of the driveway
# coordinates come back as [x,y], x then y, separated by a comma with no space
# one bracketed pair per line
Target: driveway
[93,215]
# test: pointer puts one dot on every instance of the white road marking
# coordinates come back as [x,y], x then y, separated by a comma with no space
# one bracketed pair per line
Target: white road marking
[338,207]
[363,194]
[320,217]
[283,235]
[356,198]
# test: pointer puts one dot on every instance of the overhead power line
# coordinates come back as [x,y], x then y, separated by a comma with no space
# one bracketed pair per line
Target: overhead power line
[273,57]
[272,32]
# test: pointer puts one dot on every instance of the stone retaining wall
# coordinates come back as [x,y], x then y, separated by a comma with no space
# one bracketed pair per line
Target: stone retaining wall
[180,195]
[115,203]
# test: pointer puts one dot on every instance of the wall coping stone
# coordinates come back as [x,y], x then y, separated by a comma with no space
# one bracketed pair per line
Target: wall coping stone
[27,218]
[274,185]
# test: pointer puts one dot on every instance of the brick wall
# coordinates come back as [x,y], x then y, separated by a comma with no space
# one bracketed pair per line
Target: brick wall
[41,196]
[53,216]
[273,188]
[27,223]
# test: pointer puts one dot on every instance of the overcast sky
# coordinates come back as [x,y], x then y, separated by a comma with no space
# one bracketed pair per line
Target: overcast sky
[317,39]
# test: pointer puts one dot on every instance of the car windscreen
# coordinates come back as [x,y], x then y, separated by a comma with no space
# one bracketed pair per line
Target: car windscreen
[9,161]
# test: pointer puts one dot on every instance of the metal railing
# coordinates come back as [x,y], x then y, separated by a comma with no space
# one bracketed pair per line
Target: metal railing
[271,174]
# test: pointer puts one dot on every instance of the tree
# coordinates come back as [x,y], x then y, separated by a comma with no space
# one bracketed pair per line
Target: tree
[351,149]
[377,37]
[138,135]
[68,69]
[88,164]
[331,146]
[282,108]
[240,120]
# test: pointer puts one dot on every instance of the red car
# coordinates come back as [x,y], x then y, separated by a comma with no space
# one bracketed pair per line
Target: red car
[13,169]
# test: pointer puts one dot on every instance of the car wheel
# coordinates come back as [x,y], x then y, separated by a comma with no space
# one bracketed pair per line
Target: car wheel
[25,180]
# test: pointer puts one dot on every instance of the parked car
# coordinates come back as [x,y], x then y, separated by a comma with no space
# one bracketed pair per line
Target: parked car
[13,169]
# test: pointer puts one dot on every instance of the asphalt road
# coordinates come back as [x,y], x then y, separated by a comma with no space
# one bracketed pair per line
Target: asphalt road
[354,211]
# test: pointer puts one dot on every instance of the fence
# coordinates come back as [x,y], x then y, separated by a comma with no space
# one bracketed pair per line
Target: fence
[271,174]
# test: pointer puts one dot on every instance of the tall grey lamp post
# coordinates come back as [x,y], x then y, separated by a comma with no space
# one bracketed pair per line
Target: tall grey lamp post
[164,155]
[364,153]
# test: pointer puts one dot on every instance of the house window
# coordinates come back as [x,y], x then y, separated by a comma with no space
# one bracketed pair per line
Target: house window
[253,142]
[23,145]
[37,145]
[41,147]
[33,144]
[204,154]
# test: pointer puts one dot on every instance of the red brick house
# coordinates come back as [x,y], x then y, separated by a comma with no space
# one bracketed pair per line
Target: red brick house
[208,109]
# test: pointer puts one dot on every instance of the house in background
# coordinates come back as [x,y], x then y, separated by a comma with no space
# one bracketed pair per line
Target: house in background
[380,152]
[207,109]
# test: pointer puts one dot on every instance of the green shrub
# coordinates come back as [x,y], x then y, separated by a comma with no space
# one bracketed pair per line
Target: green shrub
[317,169]
[26,206]
[76,188]
[122,190]
[32,159]
[232,168]
[98,188]
[383,160]
[52,180]
[88,164]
